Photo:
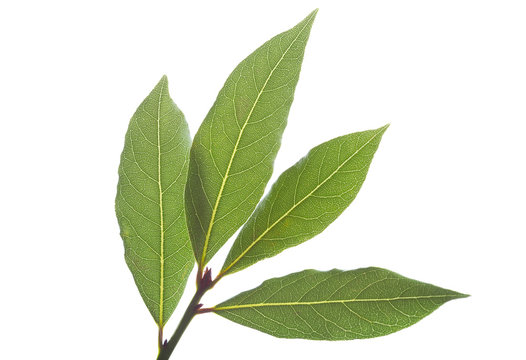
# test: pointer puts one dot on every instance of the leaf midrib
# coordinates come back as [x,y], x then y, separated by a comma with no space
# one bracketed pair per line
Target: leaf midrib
[324,302]
[294,206]
[159,182]
[221,189]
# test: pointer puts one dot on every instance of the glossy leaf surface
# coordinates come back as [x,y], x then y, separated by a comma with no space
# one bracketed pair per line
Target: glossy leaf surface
[233,151]
[306,198]
[335,305]
[150,202]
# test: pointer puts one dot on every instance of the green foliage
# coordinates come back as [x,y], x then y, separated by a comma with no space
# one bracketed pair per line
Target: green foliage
[174,195]
[335,305]
[149,203]
[233,152]
[306,198]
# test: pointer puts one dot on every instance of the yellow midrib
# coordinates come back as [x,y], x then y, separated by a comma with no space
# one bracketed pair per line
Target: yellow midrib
[294,206]
[221,189]
[325,302]
[161,281]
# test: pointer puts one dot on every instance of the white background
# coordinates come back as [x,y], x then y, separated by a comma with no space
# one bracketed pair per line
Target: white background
[444,201]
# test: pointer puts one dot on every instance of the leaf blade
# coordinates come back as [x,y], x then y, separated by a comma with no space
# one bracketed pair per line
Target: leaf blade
[335,305]
[149,203]
[234,149]
[305,199]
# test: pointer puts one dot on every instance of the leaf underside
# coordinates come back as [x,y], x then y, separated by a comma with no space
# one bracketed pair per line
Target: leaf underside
[306,198]
[232,155]
[149,203]
[335,305]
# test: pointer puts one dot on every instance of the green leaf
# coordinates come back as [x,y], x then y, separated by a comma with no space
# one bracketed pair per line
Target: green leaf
[335,305]
[305,199]
[233,152]
[150,202]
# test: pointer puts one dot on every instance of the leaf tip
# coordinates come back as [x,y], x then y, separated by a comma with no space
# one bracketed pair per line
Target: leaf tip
[380,131]
[309,20]
[312,15]
[163,81]
[162,85]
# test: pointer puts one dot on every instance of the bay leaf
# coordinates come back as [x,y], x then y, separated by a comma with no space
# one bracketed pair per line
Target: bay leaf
[305,199]
[150,202]
[335,305]
[233,152]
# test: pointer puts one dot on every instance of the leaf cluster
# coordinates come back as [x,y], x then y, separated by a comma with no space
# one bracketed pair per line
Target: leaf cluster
[179,200]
